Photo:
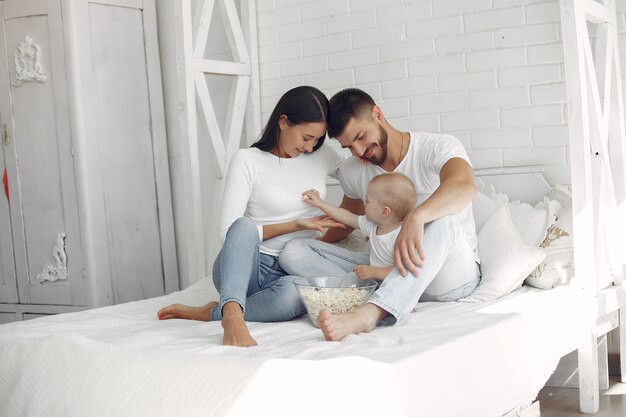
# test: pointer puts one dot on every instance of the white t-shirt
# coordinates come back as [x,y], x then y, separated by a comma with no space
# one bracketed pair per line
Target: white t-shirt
[268,190]
[426,155]
[381,253]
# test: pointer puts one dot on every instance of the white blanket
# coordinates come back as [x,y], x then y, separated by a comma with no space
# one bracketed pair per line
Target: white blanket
[447,359]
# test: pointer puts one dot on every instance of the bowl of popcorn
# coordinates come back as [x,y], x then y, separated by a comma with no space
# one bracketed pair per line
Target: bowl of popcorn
[333,294]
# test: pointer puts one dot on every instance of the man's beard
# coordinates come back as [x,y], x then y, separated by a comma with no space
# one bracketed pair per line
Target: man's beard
[382,144]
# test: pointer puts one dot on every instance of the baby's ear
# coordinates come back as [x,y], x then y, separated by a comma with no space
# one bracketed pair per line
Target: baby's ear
[386,212]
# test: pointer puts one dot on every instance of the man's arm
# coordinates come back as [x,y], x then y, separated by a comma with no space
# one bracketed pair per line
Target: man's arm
[456,190]
[335,234]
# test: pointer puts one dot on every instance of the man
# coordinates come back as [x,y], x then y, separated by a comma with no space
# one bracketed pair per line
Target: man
[435,253]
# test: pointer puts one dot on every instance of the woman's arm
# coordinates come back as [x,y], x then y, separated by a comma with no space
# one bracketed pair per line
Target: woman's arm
[318,223]
[237,192]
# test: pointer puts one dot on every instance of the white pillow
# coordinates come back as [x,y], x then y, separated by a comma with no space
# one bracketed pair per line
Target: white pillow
[562,194]
[533,223]
[486,202]
[355,241]
[506,258]
[558,267]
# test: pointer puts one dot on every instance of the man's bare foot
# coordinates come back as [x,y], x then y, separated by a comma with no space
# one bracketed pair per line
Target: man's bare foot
[236,331]
[181,311]
[360,320]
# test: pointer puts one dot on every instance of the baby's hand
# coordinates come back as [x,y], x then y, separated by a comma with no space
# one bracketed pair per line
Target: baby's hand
[312,197]
[363,271]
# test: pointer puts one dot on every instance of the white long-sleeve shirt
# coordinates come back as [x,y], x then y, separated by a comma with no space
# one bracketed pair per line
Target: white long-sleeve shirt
[268,190]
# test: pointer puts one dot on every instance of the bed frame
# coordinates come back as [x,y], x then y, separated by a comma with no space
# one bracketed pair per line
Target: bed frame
[597,155]
[84,343]
[598,178]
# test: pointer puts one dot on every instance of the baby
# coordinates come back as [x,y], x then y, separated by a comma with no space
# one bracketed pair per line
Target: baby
[389,199]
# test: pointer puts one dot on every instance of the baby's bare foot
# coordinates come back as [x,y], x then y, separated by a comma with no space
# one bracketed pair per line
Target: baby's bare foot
[360,320]
[181,311]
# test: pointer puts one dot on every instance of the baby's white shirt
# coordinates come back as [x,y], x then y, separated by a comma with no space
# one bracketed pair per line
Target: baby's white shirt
[381,253]
[268,189]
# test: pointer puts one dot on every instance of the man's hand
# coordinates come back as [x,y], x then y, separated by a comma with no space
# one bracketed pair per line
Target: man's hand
[312,197]
[408,250]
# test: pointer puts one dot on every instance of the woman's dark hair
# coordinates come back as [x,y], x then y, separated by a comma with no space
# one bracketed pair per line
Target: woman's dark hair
[301,105]
[347,104]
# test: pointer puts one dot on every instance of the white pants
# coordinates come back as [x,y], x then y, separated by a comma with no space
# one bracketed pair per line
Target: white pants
[450,271]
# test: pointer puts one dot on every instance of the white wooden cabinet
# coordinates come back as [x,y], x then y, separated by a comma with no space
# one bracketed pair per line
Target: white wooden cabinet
[87,220]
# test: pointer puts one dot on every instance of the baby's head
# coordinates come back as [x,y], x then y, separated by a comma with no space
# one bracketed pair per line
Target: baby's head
[390,197]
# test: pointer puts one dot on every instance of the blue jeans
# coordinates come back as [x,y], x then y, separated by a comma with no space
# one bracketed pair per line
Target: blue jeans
[252,279]
[450,271]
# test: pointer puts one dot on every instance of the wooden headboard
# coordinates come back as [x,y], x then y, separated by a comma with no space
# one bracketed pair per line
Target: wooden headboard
[527,187]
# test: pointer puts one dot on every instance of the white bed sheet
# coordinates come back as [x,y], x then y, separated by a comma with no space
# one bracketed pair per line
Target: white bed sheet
[447,359]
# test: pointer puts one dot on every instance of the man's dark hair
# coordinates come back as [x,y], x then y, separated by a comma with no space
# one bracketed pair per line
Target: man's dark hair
[345,105]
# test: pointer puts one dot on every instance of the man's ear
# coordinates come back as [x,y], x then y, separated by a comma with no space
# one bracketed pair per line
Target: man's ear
[377,113]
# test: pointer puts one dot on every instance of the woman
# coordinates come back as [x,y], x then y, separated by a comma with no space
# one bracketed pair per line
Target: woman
[262,209]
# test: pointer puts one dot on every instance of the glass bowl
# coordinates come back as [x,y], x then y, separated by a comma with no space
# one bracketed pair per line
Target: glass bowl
[334,294]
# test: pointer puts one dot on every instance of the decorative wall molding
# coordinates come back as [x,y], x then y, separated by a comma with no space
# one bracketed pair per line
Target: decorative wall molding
[58,271]
[28,63]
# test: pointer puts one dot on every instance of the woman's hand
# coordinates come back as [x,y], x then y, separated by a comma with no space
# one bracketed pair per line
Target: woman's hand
[318,223]
[312,197]
[408,250]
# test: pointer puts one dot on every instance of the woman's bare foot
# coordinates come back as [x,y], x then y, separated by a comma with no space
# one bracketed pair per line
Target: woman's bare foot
[360,320]
[236,331]
[181,311]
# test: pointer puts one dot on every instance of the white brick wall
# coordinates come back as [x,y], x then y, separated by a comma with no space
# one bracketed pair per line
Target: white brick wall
[487,71]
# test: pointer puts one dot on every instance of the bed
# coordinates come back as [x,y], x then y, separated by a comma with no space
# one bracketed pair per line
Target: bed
[447,359]
[490,359]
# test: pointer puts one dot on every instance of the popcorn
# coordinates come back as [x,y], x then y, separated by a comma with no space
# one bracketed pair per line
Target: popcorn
[334,300]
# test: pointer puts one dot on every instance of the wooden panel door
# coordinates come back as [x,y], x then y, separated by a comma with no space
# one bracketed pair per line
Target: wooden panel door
[8,284]
[43,203]
[128,150]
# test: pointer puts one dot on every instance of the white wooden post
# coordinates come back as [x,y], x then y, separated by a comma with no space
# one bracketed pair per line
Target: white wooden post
[596,130]
[189,202]
[253,111]
[192,37]
[584,236]
[622,343]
